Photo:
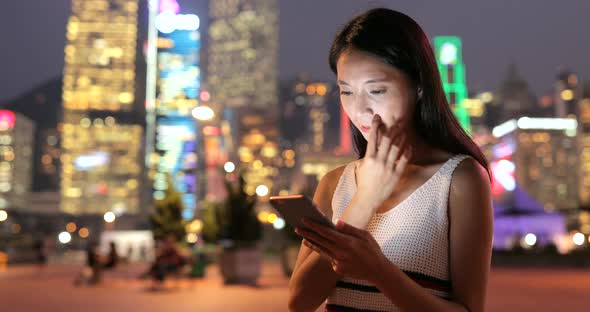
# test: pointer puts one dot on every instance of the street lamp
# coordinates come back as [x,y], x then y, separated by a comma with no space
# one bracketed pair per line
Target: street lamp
[3,215]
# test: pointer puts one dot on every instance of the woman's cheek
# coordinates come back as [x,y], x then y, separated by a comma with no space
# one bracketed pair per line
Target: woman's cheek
[346,105]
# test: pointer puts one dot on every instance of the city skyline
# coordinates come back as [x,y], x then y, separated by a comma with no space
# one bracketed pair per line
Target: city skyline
[538,47]
[187,124]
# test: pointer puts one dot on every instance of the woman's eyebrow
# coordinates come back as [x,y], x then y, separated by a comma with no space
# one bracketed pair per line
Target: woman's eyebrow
[368,81]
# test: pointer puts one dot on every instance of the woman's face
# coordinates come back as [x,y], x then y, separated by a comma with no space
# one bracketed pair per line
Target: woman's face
[369,87]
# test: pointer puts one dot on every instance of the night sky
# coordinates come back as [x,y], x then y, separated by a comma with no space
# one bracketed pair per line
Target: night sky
[537,35]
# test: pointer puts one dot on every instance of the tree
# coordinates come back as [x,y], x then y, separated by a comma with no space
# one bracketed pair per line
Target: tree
[239,222]
[167,218]
[211,220]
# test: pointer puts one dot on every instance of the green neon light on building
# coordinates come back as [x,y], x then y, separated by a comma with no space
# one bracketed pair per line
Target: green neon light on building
[448,51]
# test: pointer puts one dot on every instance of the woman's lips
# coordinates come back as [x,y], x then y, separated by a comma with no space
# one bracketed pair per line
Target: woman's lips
[365,129]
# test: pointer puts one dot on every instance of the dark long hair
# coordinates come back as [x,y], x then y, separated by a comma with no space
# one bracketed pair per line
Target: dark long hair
[397,40]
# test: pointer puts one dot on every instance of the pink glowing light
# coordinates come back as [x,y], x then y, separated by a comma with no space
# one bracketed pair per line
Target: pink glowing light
[205,96]
[169,6]
[503,176]
[6,119]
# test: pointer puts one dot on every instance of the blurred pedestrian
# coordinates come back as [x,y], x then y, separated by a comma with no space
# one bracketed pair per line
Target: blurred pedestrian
[41,251]
[112,257]
[169,260]
[130,251]
[91,272]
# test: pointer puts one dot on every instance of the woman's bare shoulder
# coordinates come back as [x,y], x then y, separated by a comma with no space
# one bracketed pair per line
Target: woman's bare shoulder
[333,176]
[470,171]
[326,189]
[470,185]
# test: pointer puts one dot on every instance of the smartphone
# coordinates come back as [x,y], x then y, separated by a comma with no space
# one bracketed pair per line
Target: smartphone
[293,208]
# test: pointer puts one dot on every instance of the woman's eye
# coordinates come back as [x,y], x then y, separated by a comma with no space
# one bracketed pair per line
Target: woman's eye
[381,91]
[345,93]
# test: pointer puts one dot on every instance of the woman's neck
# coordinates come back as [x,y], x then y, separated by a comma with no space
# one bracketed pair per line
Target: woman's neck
[424,154]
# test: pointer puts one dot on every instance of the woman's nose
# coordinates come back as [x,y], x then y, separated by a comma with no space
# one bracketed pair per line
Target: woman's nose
[363,106]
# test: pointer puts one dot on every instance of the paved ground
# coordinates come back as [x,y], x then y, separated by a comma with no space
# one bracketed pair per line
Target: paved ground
[25,289]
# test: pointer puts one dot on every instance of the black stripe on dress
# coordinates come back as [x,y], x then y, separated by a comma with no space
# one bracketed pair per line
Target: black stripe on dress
[358,287]
[422,279]
[330,307]
[429,281]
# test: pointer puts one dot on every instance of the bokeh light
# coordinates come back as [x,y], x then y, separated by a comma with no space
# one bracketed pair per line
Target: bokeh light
[83,232]
[578,239]
[192,238]
[71,227]
[279,224]
[109,217]
[272,217]
[229,167]
[530,239]
[262,190]
[64,237]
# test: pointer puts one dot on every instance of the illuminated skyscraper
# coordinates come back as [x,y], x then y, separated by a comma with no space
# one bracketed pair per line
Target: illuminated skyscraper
[242,78]
[243,52]
[101,157]
[315,107]
[449,57]
[315,133]
[566,94]
[43,106]
[173,90]
[538,154]
[584,133]
[16,159]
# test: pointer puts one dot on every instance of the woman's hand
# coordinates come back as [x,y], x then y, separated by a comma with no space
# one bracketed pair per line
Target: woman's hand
[353,252]
[384,162]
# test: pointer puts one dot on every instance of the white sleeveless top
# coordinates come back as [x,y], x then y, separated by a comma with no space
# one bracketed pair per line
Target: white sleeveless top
[414,236]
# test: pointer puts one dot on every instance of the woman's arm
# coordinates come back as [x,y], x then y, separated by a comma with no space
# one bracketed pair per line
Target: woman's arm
[471,227]
[312,280]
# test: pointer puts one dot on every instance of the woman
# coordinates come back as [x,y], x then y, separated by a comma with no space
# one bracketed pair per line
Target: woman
[413,214]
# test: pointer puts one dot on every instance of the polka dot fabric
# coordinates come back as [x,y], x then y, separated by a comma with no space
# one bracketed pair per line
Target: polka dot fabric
[413,235]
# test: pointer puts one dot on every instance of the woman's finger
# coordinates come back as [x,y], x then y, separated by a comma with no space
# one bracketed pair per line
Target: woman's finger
[403,147]
[314,236]
[372,144]
[397,130]
[349,229]
[384,146]
[401,164]
[397,150]
[336,267]
[391,157]
[318,248]
[325,231]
